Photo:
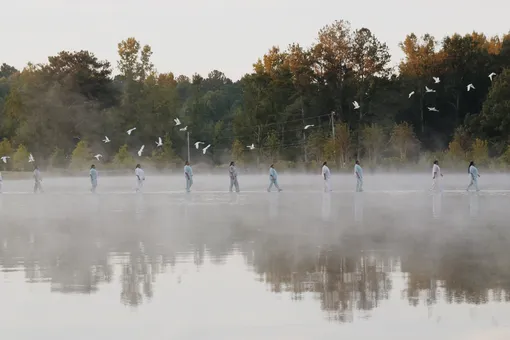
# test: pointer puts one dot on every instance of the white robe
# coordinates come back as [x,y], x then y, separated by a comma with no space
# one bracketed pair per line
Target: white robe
[326,176]
[436,174]
[140,177]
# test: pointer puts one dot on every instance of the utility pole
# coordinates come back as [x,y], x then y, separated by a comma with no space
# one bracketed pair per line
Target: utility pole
[358,146]
[304,146]
[333,133]
[189,158]
[333,123]
[259,142]
[304,132]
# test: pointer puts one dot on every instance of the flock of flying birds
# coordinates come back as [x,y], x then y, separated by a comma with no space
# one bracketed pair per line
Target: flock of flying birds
[429,90]
[159,142]
[437,80]
[31,158]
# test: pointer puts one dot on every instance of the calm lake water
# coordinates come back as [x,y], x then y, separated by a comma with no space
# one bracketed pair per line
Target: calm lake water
[383,264]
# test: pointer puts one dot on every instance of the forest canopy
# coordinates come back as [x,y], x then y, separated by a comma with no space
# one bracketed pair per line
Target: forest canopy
[360,107]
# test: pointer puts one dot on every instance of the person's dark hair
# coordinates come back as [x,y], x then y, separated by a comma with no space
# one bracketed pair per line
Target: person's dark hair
[324,163]
[271,165]
[436,162]
[357,162]
[186,163]
[231,163]
[471,164]
[92,166]
[137,166]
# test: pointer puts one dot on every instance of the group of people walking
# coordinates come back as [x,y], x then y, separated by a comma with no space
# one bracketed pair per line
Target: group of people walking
[188,176]
[273,177]
[437,174]
[232,172]
[358,173]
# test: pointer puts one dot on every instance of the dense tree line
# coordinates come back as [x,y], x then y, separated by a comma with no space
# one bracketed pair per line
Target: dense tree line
[60,111]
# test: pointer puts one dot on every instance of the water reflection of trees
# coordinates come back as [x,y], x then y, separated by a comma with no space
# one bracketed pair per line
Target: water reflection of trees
[471,266]
[477,282]
[137,275]
[342,281]
[77,255]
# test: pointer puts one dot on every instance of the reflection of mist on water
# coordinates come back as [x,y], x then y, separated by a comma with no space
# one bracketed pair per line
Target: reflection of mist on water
[299,258]
[436,204]
[358,207]
[326,206]
[474,200]
[273,202]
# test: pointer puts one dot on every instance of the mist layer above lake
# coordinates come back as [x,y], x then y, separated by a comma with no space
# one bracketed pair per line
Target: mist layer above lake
[393,262]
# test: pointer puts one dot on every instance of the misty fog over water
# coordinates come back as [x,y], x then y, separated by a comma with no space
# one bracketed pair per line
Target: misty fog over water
[395,261]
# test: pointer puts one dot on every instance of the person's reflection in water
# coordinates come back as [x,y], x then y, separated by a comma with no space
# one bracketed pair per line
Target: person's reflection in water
[358,208]
[326,206]
[274,205]
[474,204]
[95,208]
[139,207]
[234,199]
[41,214]
[436,204]
[188,201]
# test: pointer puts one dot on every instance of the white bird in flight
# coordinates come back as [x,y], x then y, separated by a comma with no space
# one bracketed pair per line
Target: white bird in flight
[492,75]
[98,156]
[5,158]
[31,158]
[411,94]
[177,122]
[159,142]
[204,150]
[140,151]
[197,144]
[433,109]
[427,90]
[184,128]
[306,127]
[252,147]
[470,86]
[106,139]
[130,130]
[356,105]
[436,80]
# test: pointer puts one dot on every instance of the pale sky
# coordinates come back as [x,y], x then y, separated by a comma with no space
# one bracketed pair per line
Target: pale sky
[191,36]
